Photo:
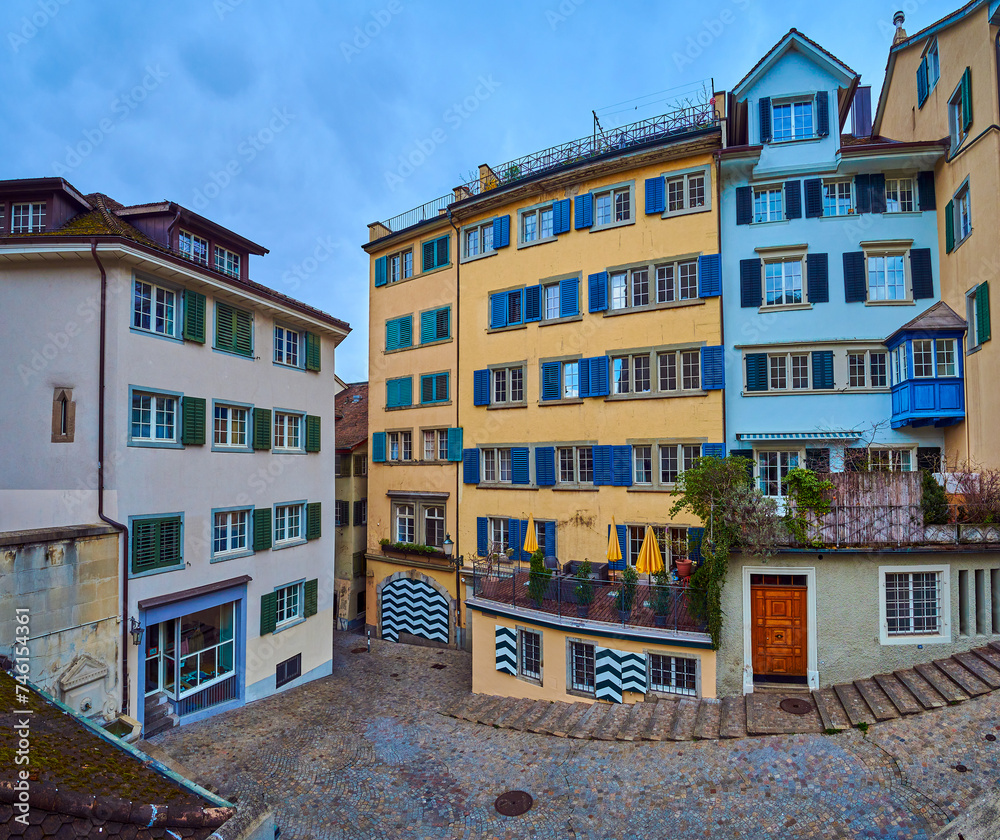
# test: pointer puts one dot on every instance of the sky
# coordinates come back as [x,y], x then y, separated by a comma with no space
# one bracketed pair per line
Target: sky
[296,124]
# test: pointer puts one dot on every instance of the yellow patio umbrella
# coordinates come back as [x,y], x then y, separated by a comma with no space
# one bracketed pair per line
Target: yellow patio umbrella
[650,560]
[530,540]
[614,550]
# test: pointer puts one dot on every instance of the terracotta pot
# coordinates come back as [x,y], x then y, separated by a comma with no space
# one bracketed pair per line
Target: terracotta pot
[684,568]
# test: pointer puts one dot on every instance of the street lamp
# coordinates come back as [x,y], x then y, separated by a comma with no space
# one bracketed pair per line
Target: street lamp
[449,546]
[136,630]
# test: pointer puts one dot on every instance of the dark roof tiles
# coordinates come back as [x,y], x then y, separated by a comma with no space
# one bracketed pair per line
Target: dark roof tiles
[352,415]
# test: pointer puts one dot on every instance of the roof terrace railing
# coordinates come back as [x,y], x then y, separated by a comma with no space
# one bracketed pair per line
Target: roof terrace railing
[431,210]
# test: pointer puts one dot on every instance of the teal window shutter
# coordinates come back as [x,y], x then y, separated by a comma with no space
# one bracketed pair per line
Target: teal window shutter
[193,421]
[381,277]
[470,466]
[314,520]
[313,432]
[569,297]
[949,227]
[822,364]
[399,392]
[442,250]
[967,99]
[597,291]
[982,313]
[194,316]
[233,329]
[550,381]
[482,536]
[378,447]
[498,310]
[268,612]
[313,354]
[427,327]
[392,334]
[481,387]
[156,544]
[261,529]
[756,371]
[455,444]
[406,331]
[922,82]
[262,428]
[519,473]
[311,599]
[655,195]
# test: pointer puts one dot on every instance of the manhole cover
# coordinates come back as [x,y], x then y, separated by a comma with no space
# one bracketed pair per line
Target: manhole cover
[961,768]
[438,665]
[513,803]
[359,650]
[991,737]
[795,706]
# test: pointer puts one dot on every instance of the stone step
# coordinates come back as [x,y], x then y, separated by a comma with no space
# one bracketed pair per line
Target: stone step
[532,713]
[586,724]
[899,694]
[624,732]
[988,655]
[162,725]
[733,718]
[641,718]
[564,725]
[613,721]
[511,711]
[707,724]
[982,669]
[922,690]
[881,706]
[942,684]
[854,704]
[488,712]
[685,720]
[451,709]
[994,645]
[830,709]
[544,724]
[473,704]
[662,721]
[966,680]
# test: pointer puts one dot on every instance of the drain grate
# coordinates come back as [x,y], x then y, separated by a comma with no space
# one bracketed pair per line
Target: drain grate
[513,803]
[991,737]
[795,706]
[961,768]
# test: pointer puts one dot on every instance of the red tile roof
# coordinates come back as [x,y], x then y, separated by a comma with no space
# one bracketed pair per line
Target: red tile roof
[352,415]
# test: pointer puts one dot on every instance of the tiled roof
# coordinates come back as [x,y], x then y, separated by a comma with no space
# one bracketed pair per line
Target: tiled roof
[938,317]
[807,39]
[352,415]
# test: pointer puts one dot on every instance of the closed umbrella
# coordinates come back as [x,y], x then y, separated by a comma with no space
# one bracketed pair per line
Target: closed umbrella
[650,560]
[530,540]
[614,550]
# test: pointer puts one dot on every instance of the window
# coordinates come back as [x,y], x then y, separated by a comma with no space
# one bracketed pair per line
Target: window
[403,524]
[957,118]
[399,333]
[27,218]
[890,460]
[154,418]
[154,309]
[913,604]
[193,247]
[772,468]
[227,262]
[400,446]
[613,206]
[677,281]
[675,459]
[576,465]
[783,283]
[899,195]
[630,374]
[529,654]
[157,543]
[886,276]
[435,324]
[678,545]
[570,380]
[962,210]
[581,667]
[361,513]
[289,604]
[550,295]
[435,444]
[499,533]
[496,465]
[287,346]
[508,384]
[977,307]
[685,193]
[400,265]
[434,526]
[837,198]
[287,431]
[341,513]
[361,465]
[229,532]
[866,369]
[433,388]
[673,674]
[288,670]
[288,523]
[233,329]
[230,426]
[478,240]
[792,120]
[536,224]
[768,204]
[933,66]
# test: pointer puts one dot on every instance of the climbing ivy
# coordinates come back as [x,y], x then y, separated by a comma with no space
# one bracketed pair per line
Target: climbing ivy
[809,497]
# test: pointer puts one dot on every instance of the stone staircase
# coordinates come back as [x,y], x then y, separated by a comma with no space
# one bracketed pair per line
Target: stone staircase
[861,703]
[158,716]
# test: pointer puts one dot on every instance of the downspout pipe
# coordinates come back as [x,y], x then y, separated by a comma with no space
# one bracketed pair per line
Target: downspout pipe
[458,425]
[123,529]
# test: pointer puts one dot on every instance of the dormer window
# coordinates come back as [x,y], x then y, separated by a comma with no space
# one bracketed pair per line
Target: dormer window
[227,262]
[27,218]
[793,120]
[193,247]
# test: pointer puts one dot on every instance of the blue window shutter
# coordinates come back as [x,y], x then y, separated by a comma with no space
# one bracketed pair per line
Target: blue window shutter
[926,199]
[622,532]
[744,205]
[515,537]
[709,275]
[695,538]
[764,112]
[533,304]
[482,536]
[406,391]
[602,465]
[863,193]
[818,278]
[392,334]
[621,466]
[516,294]
[713,373]
[713,450]
[584,211]
[550,380]
[655,195]
[598,379]
[921,273]
[583,368]
[522,536]
[519,473]
[380,273]
[814,197]
[922,82]
[545,466]
[498,310]
[378,448]
[406,331]
[481,387]
[855,285]
[822,362]
[822,113]
[501,231]
[470,466]
[561,212]
[751,293]
[878,192]
[793,199]
[428,326]
[455,436]
[550,538]
[597,291]
[569,297]
[756,371]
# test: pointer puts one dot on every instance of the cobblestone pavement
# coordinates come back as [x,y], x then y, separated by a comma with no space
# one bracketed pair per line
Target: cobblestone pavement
[364,754]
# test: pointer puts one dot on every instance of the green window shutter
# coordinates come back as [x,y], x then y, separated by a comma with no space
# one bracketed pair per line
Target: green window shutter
[262,428]
[982,313]
[193,421]
[314,525]
[312,597]
[194,316]
[967,99]
[244,333]
[156,544]
[455,444]
[144,539]
[313,426]
[949,227]
[313,346]
[268,612]
[261,529]
[225,318]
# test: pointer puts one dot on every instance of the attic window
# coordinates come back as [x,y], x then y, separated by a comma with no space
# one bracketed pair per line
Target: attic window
[227,262]
[27,218]
[793,120]
[193,247]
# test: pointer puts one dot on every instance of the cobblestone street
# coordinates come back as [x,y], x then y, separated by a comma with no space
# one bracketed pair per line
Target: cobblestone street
[365,754]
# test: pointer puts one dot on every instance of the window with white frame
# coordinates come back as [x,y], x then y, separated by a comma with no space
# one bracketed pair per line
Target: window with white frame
[676,281]
[404,524]
[529,654]
[977,309]
[508,384]
[768,204]
[435,444]
[678,370]
[886,459]
[581,667]
[289,604]
[899,195]
[399,446]
[478,239]
[433,516]
[837,198]
[792,120]
[886,276]
[227,262]
[287,346]
[399,266]
[28,217]
[230,426]
[783,282]
[613,206]
[772,468]
[642,464]
[288,523]
[570,380]
[933,65]
[788,371]
[496,465]
[536,224]
[498,529]
[619,290]
[287,431]
[934,357]
[686,192]
[550,301]
[914,604]
[956,118]
[673,674]
[630,374]
[576,464]
[675,458]
[962,208]
[230,531]
[154,309]
[154,418]
[192,246]
[867,369]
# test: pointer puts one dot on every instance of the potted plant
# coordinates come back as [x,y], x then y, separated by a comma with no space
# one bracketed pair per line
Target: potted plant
[625,596]
[584,590]
[663,598]
[538,577]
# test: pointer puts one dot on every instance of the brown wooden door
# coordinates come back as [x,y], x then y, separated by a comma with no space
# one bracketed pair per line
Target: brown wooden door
[779,630]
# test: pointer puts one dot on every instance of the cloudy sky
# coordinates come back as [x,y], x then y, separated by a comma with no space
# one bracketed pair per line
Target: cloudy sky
[296,124]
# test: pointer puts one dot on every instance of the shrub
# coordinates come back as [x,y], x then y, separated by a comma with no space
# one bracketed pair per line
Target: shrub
[584,590]
[934,501]
[538,577]
[625,596]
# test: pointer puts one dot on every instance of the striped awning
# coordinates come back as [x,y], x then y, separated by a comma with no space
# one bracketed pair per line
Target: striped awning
[832,435]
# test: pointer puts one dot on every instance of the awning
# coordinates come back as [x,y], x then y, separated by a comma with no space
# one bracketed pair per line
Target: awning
[832,436]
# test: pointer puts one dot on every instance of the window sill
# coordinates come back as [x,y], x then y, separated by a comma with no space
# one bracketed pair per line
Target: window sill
[575,692]
[434,270]
[595,228]
[505,406]
[533,680]
[286,625]
[840,216]
[503,485]
[936,639]
[652,307]
[567,319]
[397,407]
[975,349]
[673,214]
[572,401]
[176,339]
[890,303]
[399,350]
[154,444]
[784,307]
[797,392]
[655,395]
[768,222]
[222,558]
[282,451]
[239,449]
[435,341]
[288,367]
[474,257]
[389,283]
[432,404]
[150,572]
[813,138]
[276,546]
[539,241]
[650,488]
[248,356]
[508,328]
[574,488]
[960,242]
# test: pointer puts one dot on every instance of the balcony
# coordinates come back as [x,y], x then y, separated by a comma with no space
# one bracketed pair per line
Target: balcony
[927,402]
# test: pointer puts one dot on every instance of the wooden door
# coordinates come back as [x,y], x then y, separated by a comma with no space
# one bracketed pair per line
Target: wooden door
[779,630]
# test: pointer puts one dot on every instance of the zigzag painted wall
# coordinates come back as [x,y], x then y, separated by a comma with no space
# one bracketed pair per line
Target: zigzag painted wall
[616,671]
[411,606]
[506,639]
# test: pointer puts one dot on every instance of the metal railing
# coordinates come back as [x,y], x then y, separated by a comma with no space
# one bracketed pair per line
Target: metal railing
[220,692]
[429,210]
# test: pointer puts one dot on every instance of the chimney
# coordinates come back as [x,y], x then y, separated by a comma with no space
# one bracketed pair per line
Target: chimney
[899,18]
[861,112]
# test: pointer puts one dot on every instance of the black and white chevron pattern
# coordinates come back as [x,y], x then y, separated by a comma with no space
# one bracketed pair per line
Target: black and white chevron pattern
[633,672]
[411,606]
[608,674]
[506,650]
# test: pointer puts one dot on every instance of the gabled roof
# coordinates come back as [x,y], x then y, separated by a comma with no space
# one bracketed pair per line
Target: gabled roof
[793,38]
[352,415]
[938,317]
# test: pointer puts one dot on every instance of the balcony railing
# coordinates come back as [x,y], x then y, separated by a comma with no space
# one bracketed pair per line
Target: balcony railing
[220,692]
[430,210]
